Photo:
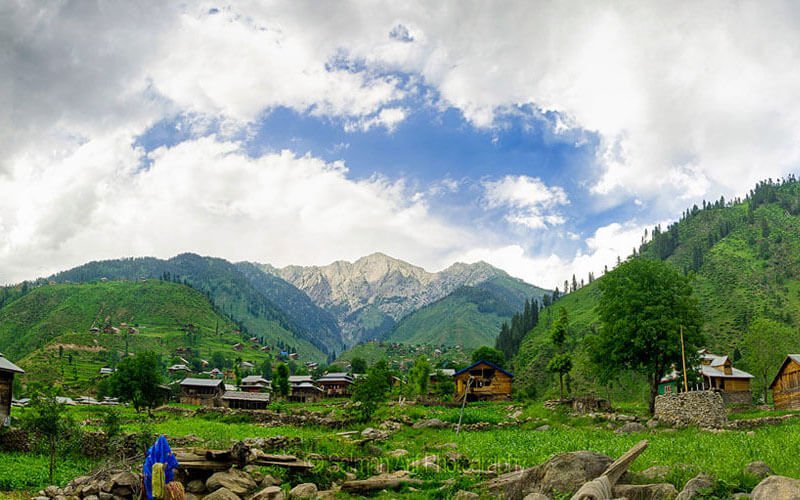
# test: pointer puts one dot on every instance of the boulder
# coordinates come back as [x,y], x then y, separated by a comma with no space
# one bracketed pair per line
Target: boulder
[757,469]
[433,423]
[102,496]
[564,473]
[269,481]
[255,473]
[776,487]
[196,486]
[222,494]
[655,473]
[126,479]
[662,491]
[398,453]
[234,480]
[370,433]
[694,485]
[536,496]
[543,428]
[465,495]
[91,497]
[269,493]
[304,490]
[631,427]
[426,463]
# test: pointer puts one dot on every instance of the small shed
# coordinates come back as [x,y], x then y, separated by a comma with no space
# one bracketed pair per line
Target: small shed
[719,374]
[786,384]
[246,400]
[483,381]
[202,391]
[7,371]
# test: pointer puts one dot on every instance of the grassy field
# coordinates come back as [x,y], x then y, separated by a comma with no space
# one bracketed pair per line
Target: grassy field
[687,451]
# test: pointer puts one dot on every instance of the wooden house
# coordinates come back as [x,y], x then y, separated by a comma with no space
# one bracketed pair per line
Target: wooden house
[303,389]
[246,400]
[483,381]
[255,383]
[336,385]
[202,391]
[786,384]
[719,374]
[7,371]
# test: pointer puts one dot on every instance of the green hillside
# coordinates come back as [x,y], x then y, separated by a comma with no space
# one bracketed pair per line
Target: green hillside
[470,317]
[263,305]
[743,260]
[47,330]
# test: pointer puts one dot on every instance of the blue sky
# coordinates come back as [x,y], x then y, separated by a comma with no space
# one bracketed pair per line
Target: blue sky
[541,137]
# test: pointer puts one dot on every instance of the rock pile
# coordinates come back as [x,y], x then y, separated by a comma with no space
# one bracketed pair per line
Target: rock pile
[701,408]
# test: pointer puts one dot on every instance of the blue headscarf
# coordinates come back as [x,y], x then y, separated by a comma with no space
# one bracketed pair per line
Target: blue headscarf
[159,452]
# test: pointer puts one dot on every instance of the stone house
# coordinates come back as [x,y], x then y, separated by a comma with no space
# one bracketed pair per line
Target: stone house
[202,391]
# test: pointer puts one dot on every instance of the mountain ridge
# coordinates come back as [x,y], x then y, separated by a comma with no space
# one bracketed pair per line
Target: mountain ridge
[371,294]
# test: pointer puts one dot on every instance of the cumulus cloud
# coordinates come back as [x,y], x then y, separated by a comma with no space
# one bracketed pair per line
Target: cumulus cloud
[686,101]
[529,201]
[206,196]
[603,248]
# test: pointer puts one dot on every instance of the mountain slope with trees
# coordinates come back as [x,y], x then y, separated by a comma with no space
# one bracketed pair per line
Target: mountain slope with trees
[470,316]
[741,258]
[264,306]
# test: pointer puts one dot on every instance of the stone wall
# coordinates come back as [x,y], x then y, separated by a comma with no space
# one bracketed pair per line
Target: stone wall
[738,398]
[701,408]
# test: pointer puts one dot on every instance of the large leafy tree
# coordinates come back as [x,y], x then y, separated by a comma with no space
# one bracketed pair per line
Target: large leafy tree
[643,306]
[489,354]
[137,381]
[765,347]
[420,374]
[371,390]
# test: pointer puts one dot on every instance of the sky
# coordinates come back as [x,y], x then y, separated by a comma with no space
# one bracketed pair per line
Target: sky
[540,137]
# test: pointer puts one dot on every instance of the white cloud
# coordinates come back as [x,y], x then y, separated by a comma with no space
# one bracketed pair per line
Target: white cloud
[387,118]
[205,196]
[530,202]
[603,248]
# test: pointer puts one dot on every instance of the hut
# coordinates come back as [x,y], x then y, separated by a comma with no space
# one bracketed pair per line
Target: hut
[7,371]
[483,381]
[255,383]
[202,391]
[336,384]
[246,400]
[303,389]
[719,374]
[786,384]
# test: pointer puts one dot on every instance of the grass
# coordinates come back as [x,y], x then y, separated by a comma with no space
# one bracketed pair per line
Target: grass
[687,451]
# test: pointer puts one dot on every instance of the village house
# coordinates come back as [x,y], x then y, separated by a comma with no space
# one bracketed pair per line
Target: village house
[336,385]
[106,370]
[7,371]
[303,389]
[786,384]
[202,391]
[718,373]
[255,383]
[246,365]
[215,373]
[483,381]
[178,368]
[246,400]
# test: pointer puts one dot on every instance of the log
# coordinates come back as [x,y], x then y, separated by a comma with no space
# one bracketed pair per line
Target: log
[218,460]
[377,483]
[602,487]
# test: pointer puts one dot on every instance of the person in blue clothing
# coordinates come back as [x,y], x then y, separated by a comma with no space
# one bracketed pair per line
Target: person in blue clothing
[160,452]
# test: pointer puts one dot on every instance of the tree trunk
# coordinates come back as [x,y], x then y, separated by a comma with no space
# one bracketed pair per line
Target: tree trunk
[52,459]
[561,383]
[653,394]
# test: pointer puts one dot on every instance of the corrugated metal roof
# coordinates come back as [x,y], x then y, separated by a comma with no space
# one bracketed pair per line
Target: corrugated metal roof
[299,378]
[202,382]
[473,365]
[246,396]
[8,366]
[708,371]
[254,379]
